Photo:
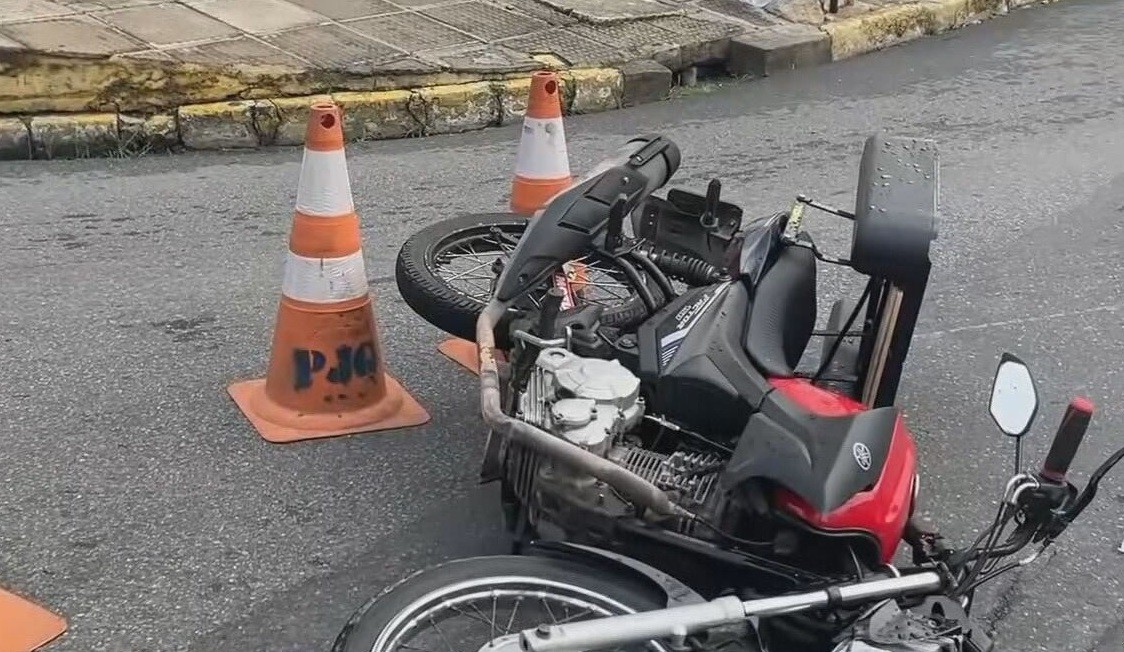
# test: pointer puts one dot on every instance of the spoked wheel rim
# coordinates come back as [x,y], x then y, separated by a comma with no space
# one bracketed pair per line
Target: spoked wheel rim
[465,262]
[471,616]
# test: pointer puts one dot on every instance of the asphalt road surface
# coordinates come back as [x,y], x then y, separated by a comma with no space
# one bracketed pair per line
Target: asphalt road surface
[135,498]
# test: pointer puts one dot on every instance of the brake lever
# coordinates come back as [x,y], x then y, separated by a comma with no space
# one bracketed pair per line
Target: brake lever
[1085,497]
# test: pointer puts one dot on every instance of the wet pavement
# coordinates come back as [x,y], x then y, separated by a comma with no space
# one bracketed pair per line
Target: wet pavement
[135,498]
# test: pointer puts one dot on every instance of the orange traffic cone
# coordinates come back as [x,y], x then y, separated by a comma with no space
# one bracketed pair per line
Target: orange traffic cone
[542,170]
[461,352]
[464,353]
[542,166]
[26,626]
[327,373]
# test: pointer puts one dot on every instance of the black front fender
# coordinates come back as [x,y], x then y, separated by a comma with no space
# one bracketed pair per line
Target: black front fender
[676,593]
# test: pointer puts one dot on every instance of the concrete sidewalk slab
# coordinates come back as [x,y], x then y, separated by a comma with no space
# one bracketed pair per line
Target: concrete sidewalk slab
[197,65]
[596,11]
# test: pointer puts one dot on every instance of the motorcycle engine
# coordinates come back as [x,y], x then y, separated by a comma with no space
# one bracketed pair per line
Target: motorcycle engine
[587,401]
[596,404]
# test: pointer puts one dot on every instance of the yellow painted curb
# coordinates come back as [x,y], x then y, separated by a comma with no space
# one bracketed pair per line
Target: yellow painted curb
[39,82]
[36,82]
[221,125]
[892,25]
[513,96]
[594,90]
[249,123]
[78,136]
[453,109]
[15,139]
[380,115]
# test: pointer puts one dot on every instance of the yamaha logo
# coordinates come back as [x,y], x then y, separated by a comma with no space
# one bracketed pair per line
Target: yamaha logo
[862,455]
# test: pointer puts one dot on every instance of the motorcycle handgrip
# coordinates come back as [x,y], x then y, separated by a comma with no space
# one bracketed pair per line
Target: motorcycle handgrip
[1068,439]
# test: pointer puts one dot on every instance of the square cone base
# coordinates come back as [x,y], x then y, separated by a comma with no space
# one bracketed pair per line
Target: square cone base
[25,626]
[409,413]
[461,352]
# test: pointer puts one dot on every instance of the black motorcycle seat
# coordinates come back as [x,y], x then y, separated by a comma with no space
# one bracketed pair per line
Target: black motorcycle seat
[824,460]
[782,314]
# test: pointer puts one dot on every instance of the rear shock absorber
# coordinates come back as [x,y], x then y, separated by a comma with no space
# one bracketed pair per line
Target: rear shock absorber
[682,267]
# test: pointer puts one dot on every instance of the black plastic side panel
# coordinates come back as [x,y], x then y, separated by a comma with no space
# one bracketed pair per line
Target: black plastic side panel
[691,352]
[814,457]
[664,333]
[895,207]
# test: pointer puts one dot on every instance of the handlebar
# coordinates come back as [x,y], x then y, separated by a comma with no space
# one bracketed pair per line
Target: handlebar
[1068,439]
[678,622]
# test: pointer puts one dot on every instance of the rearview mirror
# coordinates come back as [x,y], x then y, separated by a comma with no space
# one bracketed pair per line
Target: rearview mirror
[1014,399]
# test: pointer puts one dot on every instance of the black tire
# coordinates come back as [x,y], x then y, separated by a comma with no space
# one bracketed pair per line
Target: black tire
[455,312]
[615,592]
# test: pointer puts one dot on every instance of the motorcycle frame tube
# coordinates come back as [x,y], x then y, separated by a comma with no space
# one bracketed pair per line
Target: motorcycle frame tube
[908,310]
[895,306]
[891,303]
[678,622]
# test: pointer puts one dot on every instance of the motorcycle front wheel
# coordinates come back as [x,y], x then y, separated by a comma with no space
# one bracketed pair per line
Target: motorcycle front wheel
[461,606]
[444,273]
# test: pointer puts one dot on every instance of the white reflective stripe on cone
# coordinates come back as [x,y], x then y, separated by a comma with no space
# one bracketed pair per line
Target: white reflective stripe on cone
[542,150]
[324,187]
[324,280]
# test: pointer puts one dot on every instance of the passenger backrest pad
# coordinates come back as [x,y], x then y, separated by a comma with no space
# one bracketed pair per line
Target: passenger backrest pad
[783,313]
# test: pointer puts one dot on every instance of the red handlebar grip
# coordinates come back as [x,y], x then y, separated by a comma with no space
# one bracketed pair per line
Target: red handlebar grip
[1068,439]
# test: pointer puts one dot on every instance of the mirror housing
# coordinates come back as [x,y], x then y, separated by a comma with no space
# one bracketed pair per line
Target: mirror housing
[1014,398]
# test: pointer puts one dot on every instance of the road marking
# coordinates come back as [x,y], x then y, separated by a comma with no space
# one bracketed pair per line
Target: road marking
[1024,320]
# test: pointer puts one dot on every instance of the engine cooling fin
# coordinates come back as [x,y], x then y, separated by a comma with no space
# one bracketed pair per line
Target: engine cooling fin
[691,476]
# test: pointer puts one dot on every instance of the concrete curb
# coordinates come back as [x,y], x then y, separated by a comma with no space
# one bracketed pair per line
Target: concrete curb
[897,24]
[374,115]
[472,105]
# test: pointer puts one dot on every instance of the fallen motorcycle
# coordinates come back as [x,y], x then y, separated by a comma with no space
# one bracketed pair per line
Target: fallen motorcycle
[679,481]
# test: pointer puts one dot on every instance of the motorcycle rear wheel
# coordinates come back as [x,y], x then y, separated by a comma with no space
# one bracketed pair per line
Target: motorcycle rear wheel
[539,590]
[443,273]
